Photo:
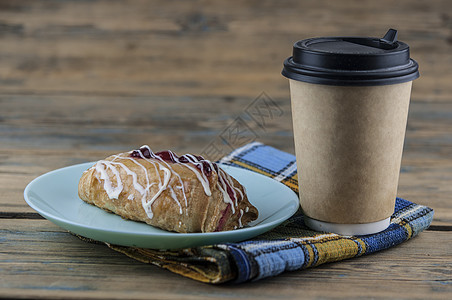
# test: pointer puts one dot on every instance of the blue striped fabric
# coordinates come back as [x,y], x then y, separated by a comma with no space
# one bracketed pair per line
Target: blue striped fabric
[293,246]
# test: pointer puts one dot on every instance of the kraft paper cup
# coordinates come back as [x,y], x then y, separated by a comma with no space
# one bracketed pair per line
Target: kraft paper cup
[350,99]
[348,143]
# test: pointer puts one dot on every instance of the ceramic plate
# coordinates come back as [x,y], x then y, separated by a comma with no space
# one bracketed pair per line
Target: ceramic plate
[54,195]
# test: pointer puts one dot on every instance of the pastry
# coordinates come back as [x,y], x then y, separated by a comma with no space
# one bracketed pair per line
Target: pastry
[177,193]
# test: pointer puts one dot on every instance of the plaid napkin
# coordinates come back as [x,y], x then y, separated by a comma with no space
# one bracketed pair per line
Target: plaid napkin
[290,246]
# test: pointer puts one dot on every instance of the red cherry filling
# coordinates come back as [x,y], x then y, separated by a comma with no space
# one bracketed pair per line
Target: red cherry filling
[143,152]
[223,219]
[168,156]
[135,154]
[205,168]
[183,159]
[146,152]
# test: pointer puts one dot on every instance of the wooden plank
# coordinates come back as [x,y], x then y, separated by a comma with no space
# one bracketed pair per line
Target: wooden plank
[200,48]
[39,259]
[96,123]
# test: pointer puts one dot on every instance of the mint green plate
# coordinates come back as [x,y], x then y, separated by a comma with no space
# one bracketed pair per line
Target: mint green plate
[54,195]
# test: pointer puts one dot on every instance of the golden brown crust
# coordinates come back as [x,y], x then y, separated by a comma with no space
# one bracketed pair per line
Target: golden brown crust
[170,211]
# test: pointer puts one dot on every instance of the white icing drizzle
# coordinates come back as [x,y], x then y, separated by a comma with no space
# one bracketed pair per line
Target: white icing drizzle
[147,205]
[240,218]
[136,185]
[200,174]
[174,196]
[231,184]
[225,181]
[221,185]
[101,168]
[199,166]
[181,184]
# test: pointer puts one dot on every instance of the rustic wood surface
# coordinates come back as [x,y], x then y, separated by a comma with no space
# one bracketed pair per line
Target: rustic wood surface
[80,80]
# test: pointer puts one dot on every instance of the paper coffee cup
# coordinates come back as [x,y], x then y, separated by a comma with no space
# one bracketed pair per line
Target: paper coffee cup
[350,99]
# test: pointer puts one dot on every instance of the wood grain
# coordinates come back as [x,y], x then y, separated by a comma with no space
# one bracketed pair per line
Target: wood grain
[199,48]
[40,259]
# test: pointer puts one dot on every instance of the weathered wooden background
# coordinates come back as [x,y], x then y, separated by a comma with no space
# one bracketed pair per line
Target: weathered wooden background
[80,80]
[200,48]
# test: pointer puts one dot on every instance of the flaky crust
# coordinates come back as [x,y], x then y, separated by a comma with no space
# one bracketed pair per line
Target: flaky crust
[181,206]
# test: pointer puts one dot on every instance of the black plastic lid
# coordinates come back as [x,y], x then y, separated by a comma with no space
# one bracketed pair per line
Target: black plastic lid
[359,61]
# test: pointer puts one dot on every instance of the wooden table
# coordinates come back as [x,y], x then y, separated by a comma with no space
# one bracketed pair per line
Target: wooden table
[80,80]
